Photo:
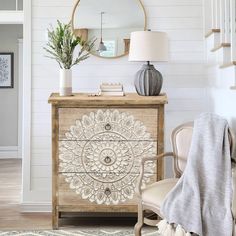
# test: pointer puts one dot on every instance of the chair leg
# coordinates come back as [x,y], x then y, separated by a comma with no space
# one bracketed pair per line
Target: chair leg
[139,224]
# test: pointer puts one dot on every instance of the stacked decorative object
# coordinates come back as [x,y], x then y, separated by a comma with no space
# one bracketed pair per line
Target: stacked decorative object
[107,89]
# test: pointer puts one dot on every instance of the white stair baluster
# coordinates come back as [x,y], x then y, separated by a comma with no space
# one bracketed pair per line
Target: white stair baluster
[207,17]
[213,14]
[222,21]
[217,14]
[233,29]
[227,21]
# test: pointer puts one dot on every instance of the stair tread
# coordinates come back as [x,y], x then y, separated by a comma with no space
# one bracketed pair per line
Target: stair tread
[233,63]
[211,32]
[222,45]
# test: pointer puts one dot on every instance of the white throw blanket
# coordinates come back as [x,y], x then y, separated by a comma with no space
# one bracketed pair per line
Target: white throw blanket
[201,201]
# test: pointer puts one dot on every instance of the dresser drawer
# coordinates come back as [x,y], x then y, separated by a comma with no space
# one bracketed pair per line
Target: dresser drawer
[104,156]
[80,189]
[107,124]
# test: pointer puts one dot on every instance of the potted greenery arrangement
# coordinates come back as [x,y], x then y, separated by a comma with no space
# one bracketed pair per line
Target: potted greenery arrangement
[61,45]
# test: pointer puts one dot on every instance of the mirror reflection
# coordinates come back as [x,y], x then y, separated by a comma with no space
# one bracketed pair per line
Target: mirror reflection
[110,22]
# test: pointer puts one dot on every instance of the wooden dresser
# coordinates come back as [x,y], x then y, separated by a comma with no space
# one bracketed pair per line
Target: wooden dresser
[97,146]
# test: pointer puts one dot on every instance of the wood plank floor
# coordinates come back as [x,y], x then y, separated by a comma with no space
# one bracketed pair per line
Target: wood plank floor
[12,219]
[10,192]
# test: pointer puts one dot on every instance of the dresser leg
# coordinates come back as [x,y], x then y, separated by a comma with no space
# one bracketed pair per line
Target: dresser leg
[55,219]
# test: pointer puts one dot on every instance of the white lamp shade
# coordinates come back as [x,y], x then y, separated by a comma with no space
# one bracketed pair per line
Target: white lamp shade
[148,46]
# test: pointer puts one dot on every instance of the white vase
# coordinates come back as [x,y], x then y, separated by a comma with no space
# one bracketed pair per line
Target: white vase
[65,82]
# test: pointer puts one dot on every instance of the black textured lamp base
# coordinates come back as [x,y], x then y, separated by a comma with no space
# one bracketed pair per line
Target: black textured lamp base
[148,81]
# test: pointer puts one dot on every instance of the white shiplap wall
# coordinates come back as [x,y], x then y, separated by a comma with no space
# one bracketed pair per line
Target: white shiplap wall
[184,79]
[221,97]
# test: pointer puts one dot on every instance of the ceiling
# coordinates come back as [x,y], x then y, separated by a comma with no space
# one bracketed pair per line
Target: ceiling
[118,14]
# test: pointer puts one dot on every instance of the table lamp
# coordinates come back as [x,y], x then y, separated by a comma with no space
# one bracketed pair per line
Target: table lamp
[148,46]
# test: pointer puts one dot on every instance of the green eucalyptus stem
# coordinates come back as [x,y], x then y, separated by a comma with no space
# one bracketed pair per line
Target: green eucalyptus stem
[62,43]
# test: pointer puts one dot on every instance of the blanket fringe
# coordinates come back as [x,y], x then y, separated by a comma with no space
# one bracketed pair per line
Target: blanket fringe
[166,229]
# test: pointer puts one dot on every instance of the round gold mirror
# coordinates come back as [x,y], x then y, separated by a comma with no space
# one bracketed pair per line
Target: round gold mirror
[110,22]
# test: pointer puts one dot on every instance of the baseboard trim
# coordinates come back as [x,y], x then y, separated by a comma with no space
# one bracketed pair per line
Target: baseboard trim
[8,152]
[36,207]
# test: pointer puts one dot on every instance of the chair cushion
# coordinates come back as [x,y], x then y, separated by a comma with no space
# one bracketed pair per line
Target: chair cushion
[155,193]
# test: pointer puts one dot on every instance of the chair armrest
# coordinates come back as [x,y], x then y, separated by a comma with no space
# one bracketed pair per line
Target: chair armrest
[234,191]
[145,159]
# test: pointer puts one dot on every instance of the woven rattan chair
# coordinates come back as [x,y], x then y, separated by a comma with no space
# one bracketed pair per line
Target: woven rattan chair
[151,197]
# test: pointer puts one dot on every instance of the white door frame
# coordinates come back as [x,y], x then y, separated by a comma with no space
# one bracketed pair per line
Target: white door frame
[26,100]
[20,95]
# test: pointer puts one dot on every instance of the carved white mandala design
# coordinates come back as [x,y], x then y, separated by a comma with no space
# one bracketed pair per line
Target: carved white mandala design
[100,157]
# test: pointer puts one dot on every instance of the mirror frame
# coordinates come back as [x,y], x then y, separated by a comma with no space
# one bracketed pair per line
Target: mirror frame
[122,55]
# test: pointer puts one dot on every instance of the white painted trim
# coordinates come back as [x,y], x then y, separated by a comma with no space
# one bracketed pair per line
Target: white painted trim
[11,17]
[36,207]
[8,152]
[20,95]
[16,5]
[26,100]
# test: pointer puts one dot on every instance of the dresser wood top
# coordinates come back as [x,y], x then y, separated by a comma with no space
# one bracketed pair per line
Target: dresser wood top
[128,99]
